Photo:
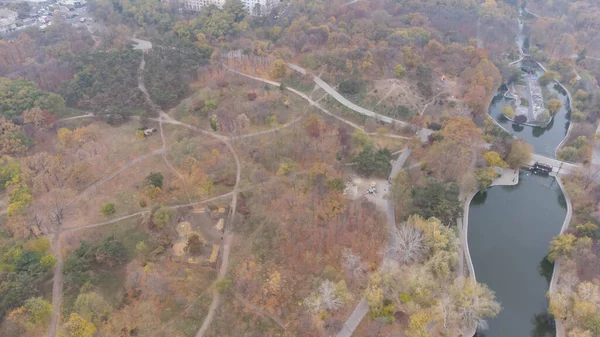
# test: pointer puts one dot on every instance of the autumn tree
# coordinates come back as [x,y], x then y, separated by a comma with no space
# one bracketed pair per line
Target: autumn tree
[493,159]
[433,49]
[519,155]
[313,126]
[33,317]
[485,176]
[474,302]
[548,76]
[91,305]
[418,325]
[78,326]
[461,131]
[399,71]
[554,106]
[561,246]
[508,111]
[42,119]
[12,139]
[279,69]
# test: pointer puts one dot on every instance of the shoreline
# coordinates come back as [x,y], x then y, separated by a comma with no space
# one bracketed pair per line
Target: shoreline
[560,329]
[463,223]
[464,242]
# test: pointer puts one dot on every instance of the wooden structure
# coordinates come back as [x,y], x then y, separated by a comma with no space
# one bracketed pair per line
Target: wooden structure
[214,256]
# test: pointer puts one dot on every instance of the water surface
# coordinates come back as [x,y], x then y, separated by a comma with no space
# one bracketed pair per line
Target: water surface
[510,228]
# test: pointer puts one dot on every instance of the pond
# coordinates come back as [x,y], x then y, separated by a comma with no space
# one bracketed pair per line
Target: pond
[510,228]
[544,140]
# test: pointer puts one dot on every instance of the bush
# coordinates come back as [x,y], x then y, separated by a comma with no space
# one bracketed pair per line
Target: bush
[162,217]
[568,153]
[155,179]
[350,87]
[521,119]
[222,285]
[194,243]
[108,209]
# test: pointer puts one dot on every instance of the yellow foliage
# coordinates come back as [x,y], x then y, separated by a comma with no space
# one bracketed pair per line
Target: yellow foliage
[65,137]
[77,326]
[493,159]
[418,325]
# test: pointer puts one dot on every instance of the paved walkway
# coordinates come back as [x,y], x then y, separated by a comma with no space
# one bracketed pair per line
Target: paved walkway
[361,309]
[508,177]
[342,100]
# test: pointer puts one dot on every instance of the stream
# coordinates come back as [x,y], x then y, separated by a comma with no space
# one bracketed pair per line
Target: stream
[510,227]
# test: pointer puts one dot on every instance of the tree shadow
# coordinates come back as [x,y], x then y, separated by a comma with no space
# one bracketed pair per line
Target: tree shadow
[546,268]
[479,198]
[543,325]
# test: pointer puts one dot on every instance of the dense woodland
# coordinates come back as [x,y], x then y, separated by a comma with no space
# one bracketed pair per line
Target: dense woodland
[128,218]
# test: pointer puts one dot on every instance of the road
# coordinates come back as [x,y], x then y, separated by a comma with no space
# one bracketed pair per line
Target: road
[362,308]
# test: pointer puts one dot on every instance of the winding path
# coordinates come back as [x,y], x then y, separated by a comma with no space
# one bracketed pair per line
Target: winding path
[312,103]
[345,102]
[362,308]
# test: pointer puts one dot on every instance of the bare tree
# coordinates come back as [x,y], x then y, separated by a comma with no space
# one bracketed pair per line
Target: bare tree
[58,204]
[329,299]
[407,244]
[325,299]
[352,262]
[590,176]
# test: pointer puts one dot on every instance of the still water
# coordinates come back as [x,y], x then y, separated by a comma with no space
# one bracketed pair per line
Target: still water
[544,140]
[510,228]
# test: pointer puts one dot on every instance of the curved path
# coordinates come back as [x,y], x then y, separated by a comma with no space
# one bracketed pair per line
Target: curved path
[362,308]
[312,103]
[344,101]
[228,235]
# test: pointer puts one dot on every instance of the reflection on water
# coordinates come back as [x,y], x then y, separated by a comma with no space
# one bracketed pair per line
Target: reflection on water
[543,325]
[510,228]
[553,133]
[546,268]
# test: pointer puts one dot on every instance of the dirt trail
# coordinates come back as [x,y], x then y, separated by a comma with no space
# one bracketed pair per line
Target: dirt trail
[258,310]
[228,235]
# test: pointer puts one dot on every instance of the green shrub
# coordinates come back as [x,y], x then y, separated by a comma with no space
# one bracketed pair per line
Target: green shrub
[108,209]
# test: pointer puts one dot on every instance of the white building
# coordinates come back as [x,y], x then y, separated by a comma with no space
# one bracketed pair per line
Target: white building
[72,2]
[8,20]
[259,7]
[196,5]
[254,7]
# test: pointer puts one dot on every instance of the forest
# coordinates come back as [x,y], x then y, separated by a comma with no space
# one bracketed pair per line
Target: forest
[215,183]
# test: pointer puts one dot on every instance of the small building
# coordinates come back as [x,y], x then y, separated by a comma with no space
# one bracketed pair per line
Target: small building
[8,20]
